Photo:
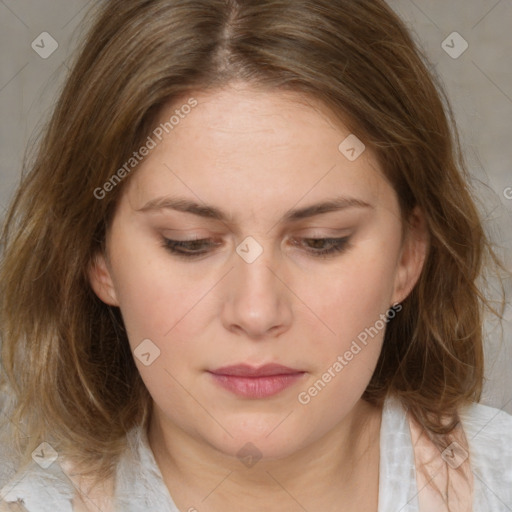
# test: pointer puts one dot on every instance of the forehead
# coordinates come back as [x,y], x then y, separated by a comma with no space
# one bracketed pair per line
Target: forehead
[261,148]
[239,112]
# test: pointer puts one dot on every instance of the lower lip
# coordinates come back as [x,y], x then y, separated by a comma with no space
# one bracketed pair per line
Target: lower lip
[257,387]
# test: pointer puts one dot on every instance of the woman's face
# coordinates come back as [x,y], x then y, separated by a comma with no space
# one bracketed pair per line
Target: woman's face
[257,176]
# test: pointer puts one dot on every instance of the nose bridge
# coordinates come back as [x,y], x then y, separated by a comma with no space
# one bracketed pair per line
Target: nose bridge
[253,259]
[253,279]
[257,301]
[256,278]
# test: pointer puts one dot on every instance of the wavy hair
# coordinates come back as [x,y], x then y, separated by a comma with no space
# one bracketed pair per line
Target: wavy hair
[65,356]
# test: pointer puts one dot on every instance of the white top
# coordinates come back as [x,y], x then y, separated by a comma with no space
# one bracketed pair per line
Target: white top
[140,487]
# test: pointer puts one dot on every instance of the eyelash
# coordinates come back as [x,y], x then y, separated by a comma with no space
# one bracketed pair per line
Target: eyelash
[338,245]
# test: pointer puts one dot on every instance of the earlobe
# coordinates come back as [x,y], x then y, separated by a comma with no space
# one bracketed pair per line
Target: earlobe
[412,257]
[101,281]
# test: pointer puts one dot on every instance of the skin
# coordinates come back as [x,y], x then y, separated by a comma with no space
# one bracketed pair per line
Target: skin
[255,155]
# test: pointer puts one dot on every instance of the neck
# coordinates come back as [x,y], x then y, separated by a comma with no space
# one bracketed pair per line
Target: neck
[337,472]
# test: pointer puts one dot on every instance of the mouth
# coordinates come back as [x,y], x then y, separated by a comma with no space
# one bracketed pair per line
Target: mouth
[251,382]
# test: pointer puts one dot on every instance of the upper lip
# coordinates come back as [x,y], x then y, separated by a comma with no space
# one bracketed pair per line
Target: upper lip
[245,370]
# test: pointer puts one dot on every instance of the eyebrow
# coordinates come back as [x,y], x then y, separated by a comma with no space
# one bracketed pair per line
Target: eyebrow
[210,212]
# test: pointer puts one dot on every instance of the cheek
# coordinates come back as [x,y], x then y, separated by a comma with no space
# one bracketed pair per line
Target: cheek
[353,304]
[152,294]
[161,310]
[351,296]
[352,299]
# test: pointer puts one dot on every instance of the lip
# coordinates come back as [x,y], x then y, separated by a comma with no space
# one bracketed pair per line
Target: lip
[246,370]
[256,382]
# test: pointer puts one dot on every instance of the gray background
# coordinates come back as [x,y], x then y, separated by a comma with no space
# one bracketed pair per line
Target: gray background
[478,82]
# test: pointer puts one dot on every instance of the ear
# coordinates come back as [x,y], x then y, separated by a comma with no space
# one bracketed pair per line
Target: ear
[412,255]
[100,278]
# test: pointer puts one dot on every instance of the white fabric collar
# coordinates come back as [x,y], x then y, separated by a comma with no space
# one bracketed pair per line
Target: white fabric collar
[140,487]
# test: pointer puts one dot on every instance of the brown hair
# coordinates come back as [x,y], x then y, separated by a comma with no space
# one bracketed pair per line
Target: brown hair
[65,353]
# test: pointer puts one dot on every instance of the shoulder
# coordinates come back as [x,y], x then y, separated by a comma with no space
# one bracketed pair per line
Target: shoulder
[12,507]
[489,428]
[489,436]
[36,489]
[487,447]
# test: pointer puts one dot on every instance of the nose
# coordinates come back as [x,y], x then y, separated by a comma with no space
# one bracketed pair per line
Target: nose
[257,303]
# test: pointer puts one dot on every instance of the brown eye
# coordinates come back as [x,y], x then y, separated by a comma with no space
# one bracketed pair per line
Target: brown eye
[189,248]
[324,246]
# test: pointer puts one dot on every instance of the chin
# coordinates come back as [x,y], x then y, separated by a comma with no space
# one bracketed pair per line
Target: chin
[259,439]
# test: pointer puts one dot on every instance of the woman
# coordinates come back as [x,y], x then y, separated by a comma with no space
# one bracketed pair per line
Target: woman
[241,274]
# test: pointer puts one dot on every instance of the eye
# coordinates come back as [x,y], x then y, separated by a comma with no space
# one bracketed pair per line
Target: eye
[189,248]
[323,247]
[318,247]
